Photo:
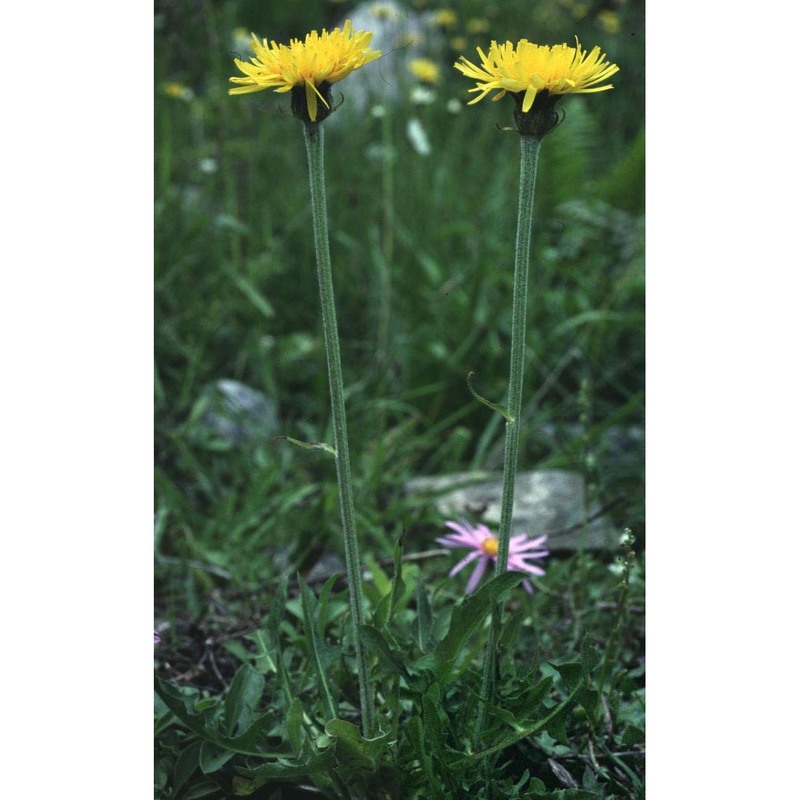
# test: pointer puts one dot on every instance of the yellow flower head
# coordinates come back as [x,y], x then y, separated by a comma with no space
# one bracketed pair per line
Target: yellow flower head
[445,18]
[609,21]
[533,68]
[424,70]
[177,91]
[310,67]
[477,25]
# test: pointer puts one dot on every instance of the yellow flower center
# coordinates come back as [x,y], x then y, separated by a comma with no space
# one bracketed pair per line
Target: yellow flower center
[489,546]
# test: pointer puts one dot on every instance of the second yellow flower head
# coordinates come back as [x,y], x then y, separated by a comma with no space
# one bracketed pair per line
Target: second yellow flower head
[533,68]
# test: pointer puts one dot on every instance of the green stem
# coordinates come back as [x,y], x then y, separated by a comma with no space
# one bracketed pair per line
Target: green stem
[387,240]
[529,158]
[314,147]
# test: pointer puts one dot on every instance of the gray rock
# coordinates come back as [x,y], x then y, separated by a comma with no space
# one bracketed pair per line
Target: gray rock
[546,501]
[230,413]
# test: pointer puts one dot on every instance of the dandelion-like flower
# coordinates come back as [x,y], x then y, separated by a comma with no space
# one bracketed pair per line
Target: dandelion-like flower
[177,91]
[306,68]
[528,70]
[483,544]
[445,18]
[424,70]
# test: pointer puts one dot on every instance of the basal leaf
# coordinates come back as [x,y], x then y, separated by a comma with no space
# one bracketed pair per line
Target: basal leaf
[424,620]
[571,673]
[186,764]
[294,726]
[379,577]
[589,656]
[542,723]
[352,748]
[249,742]
[241,702]
[322,654]
[434,730]
[467,617]
[398,584]
[200,790]
[213,757]
[388,656]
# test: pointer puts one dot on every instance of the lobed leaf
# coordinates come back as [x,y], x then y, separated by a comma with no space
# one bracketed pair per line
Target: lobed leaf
[467,617]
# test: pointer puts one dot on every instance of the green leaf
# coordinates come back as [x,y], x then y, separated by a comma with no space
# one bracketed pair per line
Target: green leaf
[212,757]
[398,584]
[199,790]
[382,611]
[380,592]
[251,741]
[589,700]
[379,577]
[424,624]
[632,735]
[322,654]
[191,714]
[521,710]
[594,316]
[352,749]
[323,615]
[557,727]
[500,409]
[431,719]
[388,656]
[589,656]
[253,295]
[543,723]
[307,445]
[246,783]
[245,691]
[571,673]
[416,733]
[183,707]
[509,634]
[294,726]
[468,616]
[186,764]
[277,610]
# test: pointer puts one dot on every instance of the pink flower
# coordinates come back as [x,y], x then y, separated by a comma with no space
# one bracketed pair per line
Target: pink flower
[483,544]
[156,638]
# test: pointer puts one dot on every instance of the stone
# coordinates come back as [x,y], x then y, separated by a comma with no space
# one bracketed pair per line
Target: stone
[545,501]
[231,414]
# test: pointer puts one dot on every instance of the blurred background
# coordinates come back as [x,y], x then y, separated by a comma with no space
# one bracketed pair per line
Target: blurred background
[422,201]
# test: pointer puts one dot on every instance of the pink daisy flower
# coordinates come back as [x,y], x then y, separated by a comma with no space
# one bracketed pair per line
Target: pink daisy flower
[483,544]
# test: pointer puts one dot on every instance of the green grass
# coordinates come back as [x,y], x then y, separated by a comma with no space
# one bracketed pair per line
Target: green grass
[423,280]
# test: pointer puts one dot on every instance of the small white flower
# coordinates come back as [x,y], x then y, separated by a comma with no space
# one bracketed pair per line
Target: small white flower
[422,96]
[418,138]
[208,166]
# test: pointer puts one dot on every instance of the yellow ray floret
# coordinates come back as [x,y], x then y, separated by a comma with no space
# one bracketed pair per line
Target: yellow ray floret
[321,58]
[533,68]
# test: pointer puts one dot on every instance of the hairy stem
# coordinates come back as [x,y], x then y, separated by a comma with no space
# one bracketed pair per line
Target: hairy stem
[529,158]
[314,147]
